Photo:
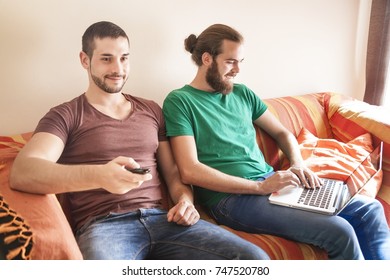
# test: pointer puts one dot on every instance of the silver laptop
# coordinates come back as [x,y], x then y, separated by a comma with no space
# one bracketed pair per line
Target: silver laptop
[334,195]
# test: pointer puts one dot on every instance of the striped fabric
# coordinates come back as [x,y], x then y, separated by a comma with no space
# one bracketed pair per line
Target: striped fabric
[11,145]
[294,113]
[282,249]
[325,115]
[351,118]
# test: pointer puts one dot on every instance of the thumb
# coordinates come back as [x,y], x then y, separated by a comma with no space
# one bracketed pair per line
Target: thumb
[126,161]
[171,213]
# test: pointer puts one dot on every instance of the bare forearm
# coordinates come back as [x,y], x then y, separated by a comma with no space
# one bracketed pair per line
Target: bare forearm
[36,175]
[289,146]
[210,178]
[181,192]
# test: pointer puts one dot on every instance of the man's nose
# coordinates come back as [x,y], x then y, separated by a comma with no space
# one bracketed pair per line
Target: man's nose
[117,67]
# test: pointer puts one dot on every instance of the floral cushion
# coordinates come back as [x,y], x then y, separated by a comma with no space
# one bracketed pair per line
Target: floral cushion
[16,238]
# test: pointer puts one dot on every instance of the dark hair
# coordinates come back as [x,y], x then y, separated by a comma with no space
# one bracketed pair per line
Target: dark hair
[210,40]
[102,29]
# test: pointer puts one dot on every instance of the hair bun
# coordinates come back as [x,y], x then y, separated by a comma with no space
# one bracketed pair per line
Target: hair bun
[190,43]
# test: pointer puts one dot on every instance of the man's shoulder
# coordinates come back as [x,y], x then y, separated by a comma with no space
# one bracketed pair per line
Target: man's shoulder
[139,99]
[177,95]
[244,91]
[240,88]
[144,104]
[184,89]
[70,105]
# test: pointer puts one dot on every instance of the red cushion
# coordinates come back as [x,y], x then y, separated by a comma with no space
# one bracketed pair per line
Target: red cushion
[52,235]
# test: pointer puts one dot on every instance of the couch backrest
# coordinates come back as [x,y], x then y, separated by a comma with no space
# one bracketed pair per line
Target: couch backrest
[295,112]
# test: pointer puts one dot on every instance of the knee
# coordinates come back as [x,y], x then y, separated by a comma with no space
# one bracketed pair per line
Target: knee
[342,242]
[374,207]
[338,238]
[371,210]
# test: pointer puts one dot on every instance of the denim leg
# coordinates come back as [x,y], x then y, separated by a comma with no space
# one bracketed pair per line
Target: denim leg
[202,241]
[115,237]
[367,216]
[146,234]
[254,214]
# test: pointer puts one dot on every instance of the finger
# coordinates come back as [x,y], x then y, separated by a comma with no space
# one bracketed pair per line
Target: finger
[314,180]
[186,216]
[126,162]
[191,219]
[303,180]
[196,218]
[170,214]
[296,178]
[175,214]
[137,178]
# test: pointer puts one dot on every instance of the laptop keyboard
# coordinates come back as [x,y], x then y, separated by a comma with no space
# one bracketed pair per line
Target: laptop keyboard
[319,197]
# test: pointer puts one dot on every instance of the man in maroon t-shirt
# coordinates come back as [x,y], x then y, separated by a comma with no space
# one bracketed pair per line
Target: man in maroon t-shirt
[84,149]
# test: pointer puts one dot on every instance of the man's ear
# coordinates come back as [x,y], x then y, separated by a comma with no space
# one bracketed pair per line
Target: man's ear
[84,59]
[207,59]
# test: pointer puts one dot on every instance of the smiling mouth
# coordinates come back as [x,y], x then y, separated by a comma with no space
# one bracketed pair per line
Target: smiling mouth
[230,77]
[115,78]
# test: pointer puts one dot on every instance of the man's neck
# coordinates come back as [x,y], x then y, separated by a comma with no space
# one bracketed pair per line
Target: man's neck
[103,98]
[200,83]
[114,105]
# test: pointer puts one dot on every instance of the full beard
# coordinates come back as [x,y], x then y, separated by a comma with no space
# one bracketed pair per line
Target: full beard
[103,86]
[214,79]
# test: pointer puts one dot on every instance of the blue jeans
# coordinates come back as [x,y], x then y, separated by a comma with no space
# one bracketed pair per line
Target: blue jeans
[360,231]
[146,234]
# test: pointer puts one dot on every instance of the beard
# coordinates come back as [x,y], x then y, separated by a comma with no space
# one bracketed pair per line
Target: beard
[103,85]
[214,79]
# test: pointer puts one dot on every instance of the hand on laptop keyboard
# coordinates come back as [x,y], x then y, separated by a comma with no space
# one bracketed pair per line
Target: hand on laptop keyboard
[307,177]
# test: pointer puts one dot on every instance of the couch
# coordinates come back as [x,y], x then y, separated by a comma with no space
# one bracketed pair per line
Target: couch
[35,226]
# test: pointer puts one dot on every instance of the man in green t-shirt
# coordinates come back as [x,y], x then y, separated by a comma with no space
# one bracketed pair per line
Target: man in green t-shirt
[210,125]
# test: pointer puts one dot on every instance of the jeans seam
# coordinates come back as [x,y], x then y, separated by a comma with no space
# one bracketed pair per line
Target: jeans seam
[191,247]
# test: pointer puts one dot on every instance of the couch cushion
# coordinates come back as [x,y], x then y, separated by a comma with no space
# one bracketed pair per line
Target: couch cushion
[294,113]
[331,158]
[350,118]
[279,248]
[53,237]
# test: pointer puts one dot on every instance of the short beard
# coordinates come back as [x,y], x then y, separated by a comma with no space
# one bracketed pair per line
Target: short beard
[213,78]
[103,86]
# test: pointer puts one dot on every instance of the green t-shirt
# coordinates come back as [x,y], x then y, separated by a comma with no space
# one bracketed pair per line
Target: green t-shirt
[222,126]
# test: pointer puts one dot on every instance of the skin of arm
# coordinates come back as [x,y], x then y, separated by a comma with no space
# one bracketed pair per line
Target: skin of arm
[183,212]
[195,173]
[289,146]
[35,170]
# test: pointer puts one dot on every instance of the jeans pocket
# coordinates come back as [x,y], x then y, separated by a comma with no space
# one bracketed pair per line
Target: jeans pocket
[90,221]
[223,207]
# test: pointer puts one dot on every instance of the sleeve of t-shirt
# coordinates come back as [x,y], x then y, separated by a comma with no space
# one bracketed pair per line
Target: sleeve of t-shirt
[258,106]
[177,117]
[57,121]
[162,132]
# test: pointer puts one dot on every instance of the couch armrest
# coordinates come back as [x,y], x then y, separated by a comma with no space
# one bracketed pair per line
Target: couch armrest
[350,118]
[51,233]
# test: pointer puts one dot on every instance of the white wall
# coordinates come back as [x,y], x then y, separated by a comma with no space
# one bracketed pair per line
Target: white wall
[292,47]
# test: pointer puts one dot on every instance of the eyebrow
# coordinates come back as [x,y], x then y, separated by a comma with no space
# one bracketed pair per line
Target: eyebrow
[235,60]
[108,54]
